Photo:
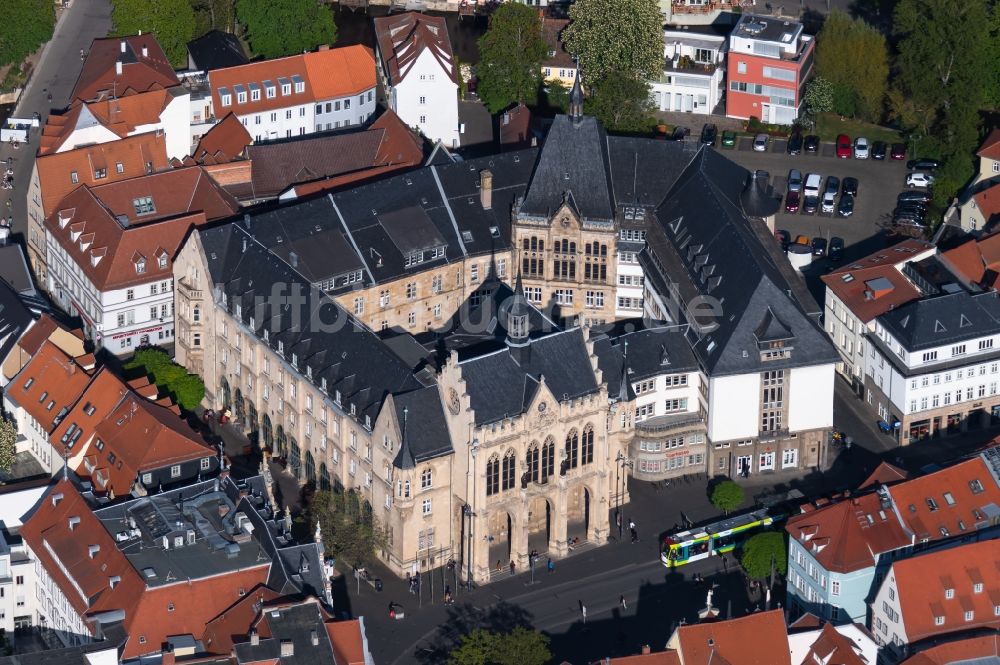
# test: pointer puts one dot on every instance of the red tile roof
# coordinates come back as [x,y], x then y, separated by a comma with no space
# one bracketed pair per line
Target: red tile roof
[515,124]
[236,620]
[922,582]
[327,74]
[224,142]
[832,648]
[990,148]
[58,128]
[137,155]
[552,32]
[347,642]
[101,230]
[403,38]
[62,532]
[956,653]
[144,67]
[43,328]
[988,202]
[756,639]
[856,286]
[48,384]
[884,474]
[655,658]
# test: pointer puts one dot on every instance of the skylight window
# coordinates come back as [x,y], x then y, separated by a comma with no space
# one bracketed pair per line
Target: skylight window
[143,205]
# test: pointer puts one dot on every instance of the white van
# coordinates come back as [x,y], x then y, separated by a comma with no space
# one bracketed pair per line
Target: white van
[813,181]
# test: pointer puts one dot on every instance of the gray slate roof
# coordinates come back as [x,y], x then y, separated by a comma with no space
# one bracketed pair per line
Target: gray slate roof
[949,318]
[14,270]
[573,165]
[425,435]
[297,624]
[651,352]
[15,318]
[216,49]
[499,388]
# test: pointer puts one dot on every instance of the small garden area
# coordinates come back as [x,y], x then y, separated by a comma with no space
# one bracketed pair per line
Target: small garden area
[186,390]
[829,125]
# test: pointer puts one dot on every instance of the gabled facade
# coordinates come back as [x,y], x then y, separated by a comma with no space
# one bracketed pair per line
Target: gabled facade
[324,90]
[418,71]
[770,61]
[558,66]
[693,78]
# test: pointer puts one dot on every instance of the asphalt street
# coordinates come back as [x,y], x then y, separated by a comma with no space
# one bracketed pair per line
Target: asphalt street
[55,74]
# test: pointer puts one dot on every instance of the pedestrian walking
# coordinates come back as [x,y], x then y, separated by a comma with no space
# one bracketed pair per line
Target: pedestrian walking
[621,600]
[499,568]
[550,565]
[631,525]
[635,534]
[583,611]
[512,568]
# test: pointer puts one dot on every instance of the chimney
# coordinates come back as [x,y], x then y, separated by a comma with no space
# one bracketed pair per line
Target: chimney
[254,638]
[145,52]
[118,67]
[645,649]
[314,638]
[123,46]
[486,188]
[167,657]
[287,648]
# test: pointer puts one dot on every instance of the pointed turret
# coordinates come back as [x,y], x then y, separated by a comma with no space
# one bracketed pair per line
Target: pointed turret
[576,96]
[404,458]
[518,339]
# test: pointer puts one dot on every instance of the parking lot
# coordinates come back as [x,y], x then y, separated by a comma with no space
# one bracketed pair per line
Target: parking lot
[879,183]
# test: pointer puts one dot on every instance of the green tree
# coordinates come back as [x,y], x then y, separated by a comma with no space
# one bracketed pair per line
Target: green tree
[172,21]
[510,57]
[277,28]
[818,96]
[760,550]
[188,391]
[350,531]
[521,646]
[853,56]
[26,25]
[616,36]
[555,96]
[8,444]
[943,67]
[621,103]
[727,496]
[214,15]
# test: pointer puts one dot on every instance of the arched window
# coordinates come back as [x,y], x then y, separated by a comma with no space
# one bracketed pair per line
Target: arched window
[493,476]
[226,395]
[266,431]
[526,244]
[548,459]
[295,458]
[406,489]
[310,467]
[572,450]
[324,477]
[280,441]
[426,479]
[531,461]
[588,445]
[604,250]
[509,463]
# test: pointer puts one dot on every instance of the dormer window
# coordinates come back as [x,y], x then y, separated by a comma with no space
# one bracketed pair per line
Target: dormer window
[949,593]
[241,94]
[281,347]
[295,360]
[140,266]
[300,85]
[286,86]
[269,90]
[74,177]
[161,259]
[254,92]
[225,97]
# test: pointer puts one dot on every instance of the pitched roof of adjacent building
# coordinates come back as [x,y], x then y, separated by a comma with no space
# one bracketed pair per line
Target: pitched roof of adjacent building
[429,437]
[294,633]
[831,647]
[977,259]
[144,67]
[876,284]
[403,38]
[128,232]
[756,639]
[925,582]
[943,319]
[137,155]
[990,147]
[14,270]
[224,142]
[650,352]
[216,50]
[48,386]
[668,657]
[988,202]
[325,74]
[15,319]
[884,474]
[983,650]
[557,57]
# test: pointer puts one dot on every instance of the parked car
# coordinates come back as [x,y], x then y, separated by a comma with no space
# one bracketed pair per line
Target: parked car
[795,144]
[914,195]
[898,151]
[708,134]
[679,133]
[836,250]
[728,139]
[795,180]
[846,206]
[844,146]
[811,143]
[812,183]
[908,215]
[919,179]
[918,206]
[819,246]
[792,202]
[861,148]
[923,163]
[878,150]
[760,143]
[802,240]
[829,201]
[832,185]
[810,203]
[849,186]
[908,218]
[784,238]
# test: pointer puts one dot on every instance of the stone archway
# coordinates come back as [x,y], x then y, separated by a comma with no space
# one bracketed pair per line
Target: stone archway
[579,513]
[541,515]
[500,525]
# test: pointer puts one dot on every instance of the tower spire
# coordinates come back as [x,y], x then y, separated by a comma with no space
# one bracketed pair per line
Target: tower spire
[576,94]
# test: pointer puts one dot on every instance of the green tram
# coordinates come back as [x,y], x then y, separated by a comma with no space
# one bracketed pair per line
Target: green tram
[712,539]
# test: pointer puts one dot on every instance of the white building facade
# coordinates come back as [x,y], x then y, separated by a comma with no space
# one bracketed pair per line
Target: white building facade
[693,78]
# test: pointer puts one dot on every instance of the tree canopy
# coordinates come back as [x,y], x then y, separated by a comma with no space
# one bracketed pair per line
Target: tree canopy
[727,496]
[510,57]
[943,68]
[277,28]
[521,646]
[350,531]
[853,57]
[26,25]
[187,390]
[621,103]
[8,444]
[172,21]
[818,96]
[760,550]
[624,36]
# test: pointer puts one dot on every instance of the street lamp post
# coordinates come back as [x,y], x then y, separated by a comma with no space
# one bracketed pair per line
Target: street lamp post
[473,449]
